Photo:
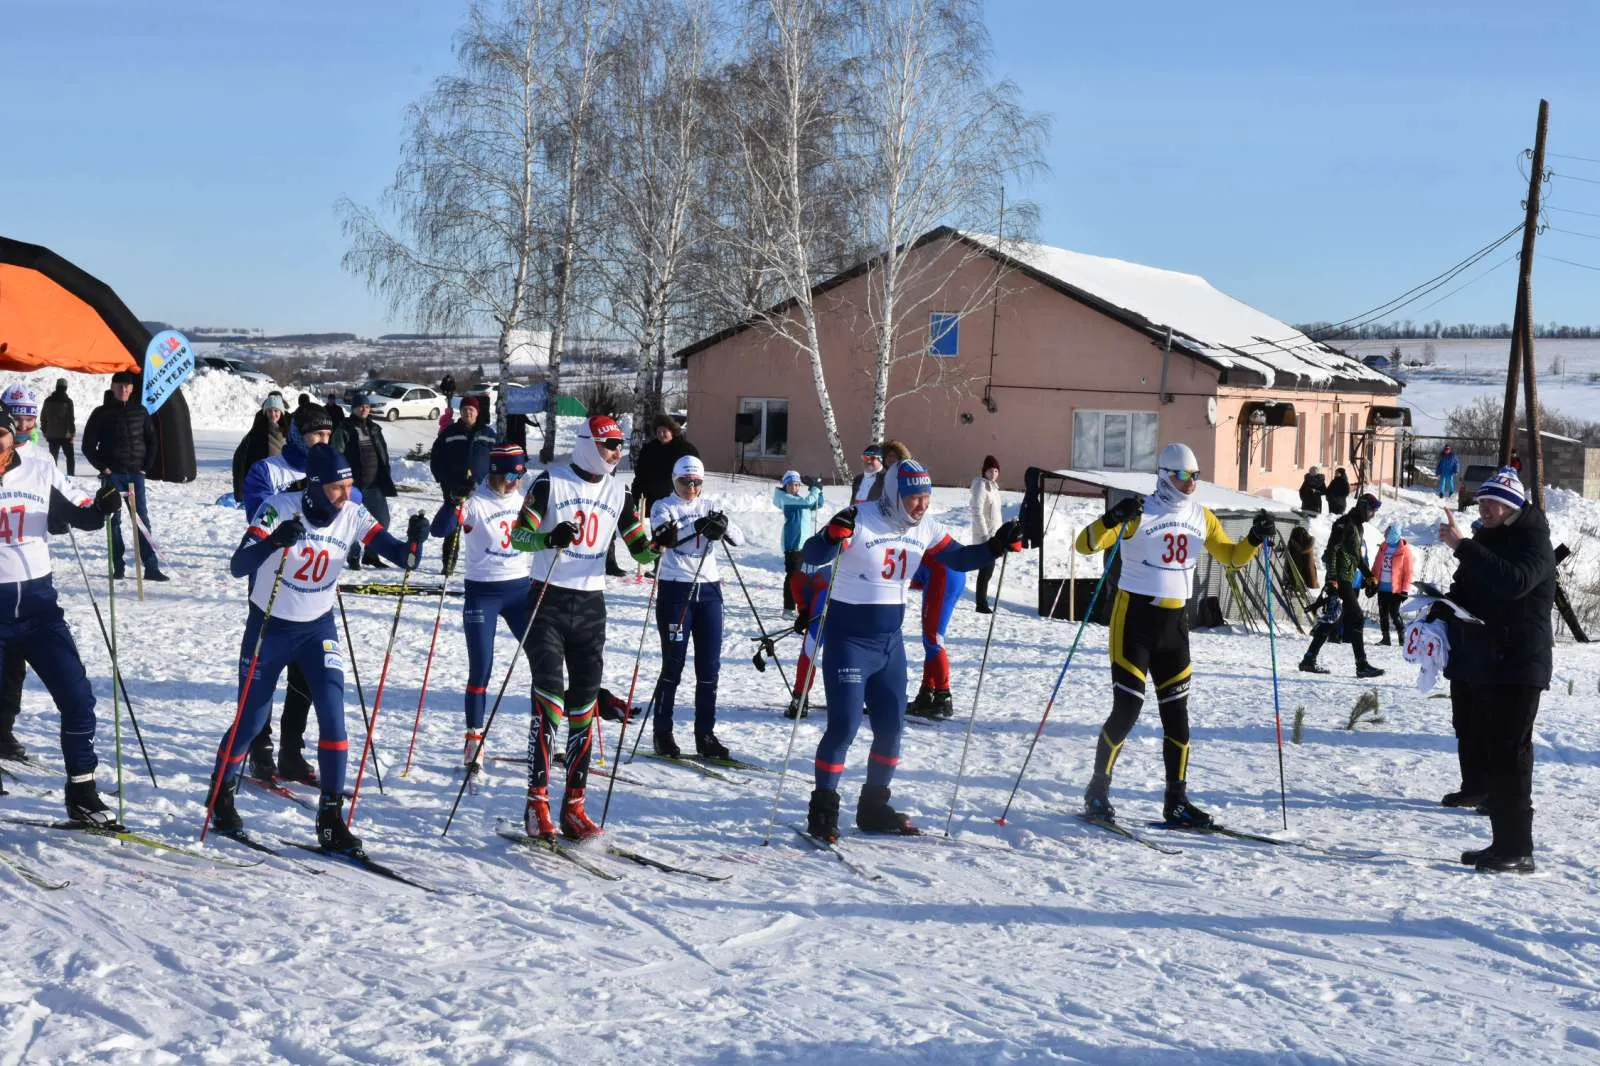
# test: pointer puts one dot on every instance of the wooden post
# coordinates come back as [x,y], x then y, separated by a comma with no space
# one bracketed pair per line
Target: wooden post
[1522,329]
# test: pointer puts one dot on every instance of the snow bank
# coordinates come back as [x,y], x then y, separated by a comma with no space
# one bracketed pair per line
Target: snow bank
[218,400]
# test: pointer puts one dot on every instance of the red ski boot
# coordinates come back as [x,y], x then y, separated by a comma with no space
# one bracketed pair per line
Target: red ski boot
[536,821]
[575,821]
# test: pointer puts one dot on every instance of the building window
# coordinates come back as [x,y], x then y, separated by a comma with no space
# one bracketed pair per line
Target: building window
[1324,446]
[1114,440]
[772,428]
[1266,448]
[943,333]
[1300,443]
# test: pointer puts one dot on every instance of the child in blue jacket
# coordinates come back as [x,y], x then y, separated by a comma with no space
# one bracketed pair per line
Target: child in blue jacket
[797,505]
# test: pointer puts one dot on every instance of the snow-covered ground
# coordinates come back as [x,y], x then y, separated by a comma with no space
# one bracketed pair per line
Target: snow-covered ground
[1041,941]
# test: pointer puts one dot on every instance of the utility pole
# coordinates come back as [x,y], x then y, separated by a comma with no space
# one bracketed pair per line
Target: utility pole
[1521,359]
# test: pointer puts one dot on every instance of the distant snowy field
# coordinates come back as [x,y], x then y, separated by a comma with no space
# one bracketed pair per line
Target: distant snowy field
[1045,941]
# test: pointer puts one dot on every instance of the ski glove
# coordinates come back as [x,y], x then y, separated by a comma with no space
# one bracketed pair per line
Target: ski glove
[416,535]
[841,526]
[287,533]
[564,535]
[108,500]
[665,535]
[1262,529]
[713,526]
[1008,538]
[1125,510]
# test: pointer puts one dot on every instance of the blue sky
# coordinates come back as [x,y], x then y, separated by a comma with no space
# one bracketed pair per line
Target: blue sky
[1312,163]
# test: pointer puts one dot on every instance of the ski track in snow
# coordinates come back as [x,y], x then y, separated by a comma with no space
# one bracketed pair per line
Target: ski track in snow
[1043,941]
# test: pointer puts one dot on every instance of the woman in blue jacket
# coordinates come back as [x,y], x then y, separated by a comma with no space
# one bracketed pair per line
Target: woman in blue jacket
[797,504]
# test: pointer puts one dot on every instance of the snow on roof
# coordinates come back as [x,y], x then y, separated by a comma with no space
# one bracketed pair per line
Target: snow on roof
[1207,493]
[1204,320]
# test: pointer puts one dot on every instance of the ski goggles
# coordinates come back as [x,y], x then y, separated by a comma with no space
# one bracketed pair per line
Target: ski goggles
[1185,475]
[610,444]
[691,482]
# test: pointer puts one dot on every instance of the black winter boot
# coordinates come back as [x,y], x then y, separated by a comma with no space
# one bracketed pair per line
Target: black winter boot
[1097,799]
[85,806]
[1309,665]
[943,706]
[822,819]
[707,746]
[332,833]
[874,815]
[292,766]
[224,816]
[665,746]
[11,747]
[922,706]
[1366,669]
[263,764]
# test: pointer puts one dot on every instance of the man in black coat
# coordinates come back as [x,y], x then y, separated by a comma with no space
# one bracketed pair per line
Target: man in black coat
[652,472]
[368,455]
[460,459]
[1505,576]
[1312,490]
[1338,491]
[59,424]
[119,440]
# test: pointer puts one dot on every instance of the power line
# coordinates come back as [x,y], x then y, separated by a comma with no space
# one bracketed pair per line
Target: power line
[1574,177]
[1575,233]
[1569,262]
[1571,211]
[1579,158]
[1464,284]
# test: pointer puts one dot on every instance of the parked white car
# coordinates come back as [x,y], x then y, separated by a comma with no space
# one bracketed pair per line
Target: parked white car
[404,400]
[230,366]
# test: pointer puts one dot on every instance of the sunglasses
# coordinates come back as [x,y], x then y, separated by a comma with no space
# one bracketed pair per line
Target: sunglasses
[1185,475]
[691,482]
[609,445]
[515,475]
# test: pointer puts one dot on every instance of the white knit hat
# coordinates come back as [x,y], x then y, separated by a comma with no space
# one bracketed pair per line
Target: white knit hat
[1504,487]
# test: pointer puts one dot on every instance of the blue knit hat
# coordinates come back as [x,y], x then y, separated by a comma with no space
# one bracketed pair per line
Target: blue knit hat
[325,466]
[914,478]
[792,477]
[1504,487]
[507,459]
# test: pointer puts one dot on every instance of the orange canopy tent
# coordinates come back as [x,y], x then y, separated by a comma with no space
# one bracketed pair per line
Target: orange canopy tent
[53,314]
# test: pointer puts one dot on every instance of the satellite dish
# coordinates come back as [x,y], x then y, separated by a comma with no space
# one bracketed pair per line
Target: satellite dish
[1211,410]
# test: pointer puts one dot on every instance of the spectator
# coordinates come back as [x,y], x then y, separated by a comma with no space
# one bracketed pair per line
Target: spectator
[1338,492]
[460,459]
[1506,576]
[266,437]
[59,424]
[336,415]
[1347,573]
[1447,468]
[986,519]
[119,440]
[798,505]
[447,385]
[368,455]
[1392,568]
[863,484]
[652,472]
[1312,490]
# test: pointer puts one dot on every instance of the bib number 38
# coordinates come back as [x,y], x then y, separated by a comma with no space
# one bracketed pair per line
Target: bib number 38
[1177,548]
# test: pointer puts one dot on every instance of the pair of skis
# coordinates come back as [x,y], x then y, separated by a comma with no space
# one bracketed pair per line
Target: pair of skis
[575,855]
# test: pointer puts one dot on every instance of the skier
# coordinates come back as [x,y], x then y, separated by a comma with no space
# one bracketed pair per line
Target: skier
[877,547]
[570,515]
[31,622]
[496,579]
[1347,572]
[308,534]
[941,590]
[267,477]
[23,404]
[688,526]
[1150,620]
[809,587]
[798,524]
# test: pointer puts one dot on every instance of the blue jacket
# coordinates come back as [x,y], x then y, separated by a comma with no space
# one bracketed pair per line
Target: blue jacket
[1448,465]
[798,523]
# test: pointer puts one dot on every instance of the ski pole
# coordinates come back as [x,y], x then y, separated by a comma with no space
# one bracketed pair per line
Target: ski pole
[355,672]
[1087,614]
[627,707]
[767,640]
[116,713]
[522,644]
[1277,711]
[427,668]
[683,616]
[972,718]
[116,666]
[244,693]
[377,698]
[805,697]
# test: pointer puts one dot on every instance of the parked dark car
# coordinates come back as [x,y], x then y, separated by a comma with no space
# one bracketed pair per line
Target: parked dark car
[1467,487]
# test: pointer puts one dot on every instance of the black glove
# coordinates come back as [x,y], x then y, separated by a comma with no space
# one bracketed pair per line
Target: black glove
[564,535]
[108,500]
[1370,590]
[287,533]
[1262,529]
[1008,538]
[464,489]
[713,526]
[665,536]
[840,526]
[417,529]
[1126,509]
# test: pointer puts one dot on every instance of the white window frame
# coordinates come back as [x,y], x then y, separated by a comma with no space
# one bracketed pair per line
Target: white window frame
[1081,463]
[757,449]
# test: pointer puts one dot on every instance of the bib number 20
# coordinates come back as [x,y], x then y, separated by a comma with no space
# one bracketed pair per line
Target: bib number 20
[313,565]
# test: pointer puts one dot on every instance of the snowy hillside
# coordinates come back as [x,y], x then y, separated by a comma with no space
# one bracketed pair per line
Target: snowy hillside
[1042,941]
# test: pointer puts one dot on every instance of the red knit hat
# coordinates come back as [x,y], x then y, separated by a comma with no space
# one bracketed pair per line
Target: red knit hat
[474,402]
[990,463]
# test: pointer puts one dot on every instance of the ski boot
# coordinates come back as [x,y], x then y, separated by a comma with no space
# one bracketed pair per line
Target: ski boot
[292,766]
[1179,813]
[943,706]
[796,710]
[263,765]
[575,821]
[224,816]
[84,805]
[1365,669]
[665,746]
[154,574]
[1097,799]
[922,706]
[332,833]
[473,751]
[354,562]
[707,746]
[1464,798]
[822,818]
[874,815]
[1496,863]
[1308,665]
[374,561]
[536,821]
[10,747]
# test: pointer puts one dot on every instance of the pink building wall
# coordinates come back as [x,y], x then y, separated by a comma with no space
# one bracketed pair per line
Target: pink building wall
[1054,356]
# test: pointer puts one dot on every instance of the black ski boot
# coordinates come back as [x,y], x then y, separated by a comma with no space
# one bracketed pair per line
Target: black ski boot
[795,710]
[1496,863]
[1368,670]
[1180,813]
[874,815]
[707,746]
[10,747]
[292,766]
[332,833]
[943,706]
[922,706]
[224,815]
[1308,665]
[262,763]
[84,805]
[822,819]
[1464,798]
[1476,855]
[665,746]
[1097,799]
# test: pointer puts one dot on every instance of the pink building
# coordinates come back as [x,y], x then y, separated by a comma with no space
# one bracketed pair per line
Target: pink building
[1042,357]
